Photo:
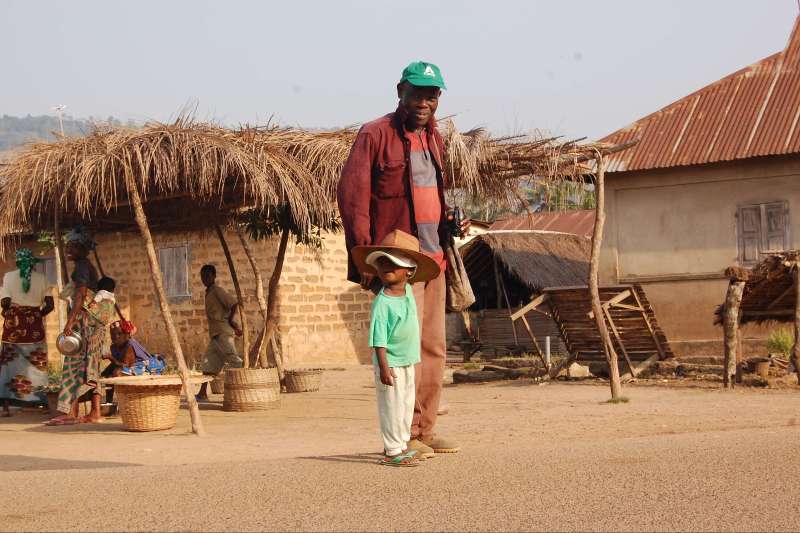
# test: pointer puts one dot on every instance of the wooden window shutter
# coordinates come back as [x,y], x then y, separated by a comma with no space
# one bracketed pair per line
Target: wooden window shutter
[749,226]
[174,261]
[775,226]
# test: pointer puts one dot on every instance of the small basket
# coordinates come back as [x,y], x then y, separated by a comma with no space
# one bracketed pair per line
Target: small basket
[303,380]
[148,408]
[251,389]
[218,384]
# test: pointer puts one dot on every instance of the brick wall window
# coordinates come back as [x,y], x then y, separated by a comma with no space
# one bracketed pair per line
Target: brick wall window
[174,262]
[761,228]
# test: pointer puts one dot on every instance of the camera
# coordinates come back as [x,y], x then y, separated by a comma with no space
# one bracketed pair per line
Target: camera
[454,220]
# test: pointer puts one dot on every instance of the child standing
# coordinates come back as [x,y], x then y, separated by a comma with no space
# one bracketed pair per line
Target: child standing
[395,336]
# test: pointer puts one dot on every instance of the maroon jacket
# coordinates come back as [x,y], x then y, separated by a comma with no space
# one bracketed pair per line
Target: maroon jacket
[376,188]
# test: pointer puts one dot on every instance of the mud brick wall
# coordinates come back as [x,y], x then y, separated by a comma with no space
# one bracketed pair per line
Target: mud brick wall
[324,319]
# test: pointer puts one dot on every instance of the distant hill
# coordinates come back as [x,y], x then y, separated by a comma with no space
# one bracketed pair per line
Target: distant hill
[15,131]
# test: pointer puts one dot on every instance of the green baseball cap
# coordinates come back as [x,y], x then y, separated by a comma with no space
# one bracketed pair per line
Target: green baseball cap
[423,74]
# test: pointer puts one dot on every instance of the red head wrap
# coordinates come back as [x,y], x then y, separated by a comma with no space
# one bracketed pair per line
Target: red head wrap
[125,326]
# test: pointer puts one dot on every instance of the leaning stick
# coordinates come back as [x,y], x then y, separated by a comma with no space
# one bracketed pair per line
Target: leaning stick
[238,288]
[155,273]
[262,302]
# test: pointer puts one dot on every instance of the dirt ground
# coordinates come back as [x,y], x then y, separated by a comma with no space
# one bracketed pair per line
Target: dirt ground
[535,457]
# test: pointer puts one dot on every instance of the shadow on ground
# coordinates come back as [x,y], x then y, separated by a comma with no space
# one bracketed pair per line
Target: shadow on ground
[367,458]
[24,463]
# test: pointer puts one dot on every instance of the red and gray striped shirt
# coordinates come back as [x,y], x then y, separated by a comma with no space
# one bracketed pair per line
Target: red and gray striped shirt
[427,204]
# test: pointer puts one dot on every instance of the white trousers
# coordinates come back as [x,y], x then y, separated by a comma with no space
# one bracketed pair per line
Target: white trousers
[396,408]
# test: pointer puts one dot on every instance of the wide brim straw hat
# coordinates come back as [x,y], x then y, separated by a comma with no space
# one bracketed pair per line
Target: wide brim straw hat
[408,245]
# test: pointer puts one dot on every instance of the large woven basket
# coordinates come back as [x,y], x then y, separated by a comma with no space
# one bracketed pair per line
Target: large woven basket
[251,389]
[150,407]
[303,379]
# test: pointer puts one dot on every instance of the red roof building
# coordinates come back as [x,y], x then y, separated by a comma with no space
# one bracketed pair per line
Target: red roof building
[577,222]
[713,182]
[752,112]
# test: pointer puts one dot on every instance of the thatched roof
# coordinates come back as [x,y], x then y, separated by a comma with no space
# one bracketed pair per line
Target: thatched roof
[190,175]
[537,259]
[193,175]
[769,292]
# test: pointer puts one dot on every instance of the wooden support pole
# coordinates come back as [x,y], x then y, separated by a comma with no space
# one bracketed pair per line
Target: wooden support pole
[533,339]
[508,307]
[647,363]
[271,324]
[661,352]
[796,347]
[258,344]
[733,300]
[61,269]
[618,337]
[239,296]
[155,273]
[531,306]
[248,250]
[263,305]
[497,286]
[594,284]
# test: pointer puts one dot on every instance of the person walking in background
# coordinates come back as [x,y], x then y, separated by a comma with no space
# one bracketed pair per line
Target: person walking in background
[220,312]
[25,302]
[393,180]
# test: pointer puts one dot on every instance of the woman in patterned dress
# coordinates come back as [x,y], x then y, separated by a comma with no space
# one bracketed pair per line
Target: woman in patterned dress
[25,302]
[90,313]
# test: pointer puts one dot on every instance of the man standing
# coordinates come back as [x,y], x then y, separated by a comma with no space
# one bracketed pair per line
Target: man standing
[393,180]
[220,310]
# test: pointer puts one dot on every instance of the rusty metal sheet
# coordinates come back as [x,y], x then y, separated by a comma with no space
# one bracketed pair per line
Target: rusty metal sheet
[577,222]
[752,112]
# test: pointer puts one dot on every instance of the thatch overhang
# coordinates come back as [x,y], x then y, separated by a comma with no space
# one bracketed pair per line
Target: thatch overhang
[769,292]
[533,259]
[195,175]
[190,175]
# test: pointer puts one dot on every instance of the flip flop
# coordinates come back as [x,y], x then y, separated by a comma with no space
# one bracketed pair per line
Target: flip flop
[63,422]
[402,459]
[86,420]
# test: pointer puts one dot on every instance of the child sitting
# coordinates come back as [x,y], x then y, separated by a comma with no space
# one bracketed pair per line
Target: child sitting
[395,336]
[128,357]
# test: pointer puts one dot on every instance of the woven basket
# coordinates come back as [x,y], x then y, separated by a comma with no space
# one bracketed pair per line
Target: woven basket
[303,380]
[148,407]
[251,389]
[218,384]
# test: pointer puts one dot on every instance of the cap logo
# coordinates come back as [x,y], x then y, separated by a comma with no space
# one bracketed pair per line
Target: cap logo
[429,72]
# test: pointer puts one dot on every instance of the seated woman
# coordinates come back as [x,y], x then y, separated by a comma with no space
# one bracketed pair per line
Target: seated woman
[128,357]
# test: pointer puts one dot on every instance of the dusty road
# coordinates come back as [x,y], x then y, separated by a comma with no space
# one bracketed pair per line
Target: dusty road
[536,457]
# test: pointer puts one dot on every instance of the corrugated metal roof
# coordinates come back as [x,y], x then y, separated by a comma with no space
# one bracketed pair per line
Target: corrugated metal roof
[578,222]
[752,112]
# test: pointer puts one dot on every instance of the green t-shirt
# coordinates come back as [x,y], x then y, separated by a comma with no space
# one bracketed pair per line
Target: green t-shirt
[394,325]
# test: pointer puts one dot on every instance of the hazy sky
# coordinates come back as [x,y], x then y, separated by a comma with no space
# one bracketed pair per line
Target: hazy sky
[580,68]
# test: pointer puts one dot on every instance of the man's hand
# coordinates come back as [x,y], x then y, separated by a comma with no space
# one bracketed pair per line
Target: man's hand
[387,376]
[234,326]
[366,280]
